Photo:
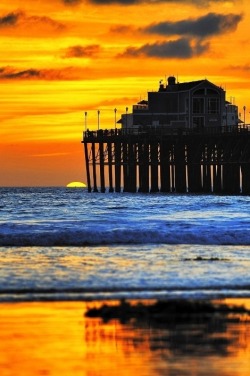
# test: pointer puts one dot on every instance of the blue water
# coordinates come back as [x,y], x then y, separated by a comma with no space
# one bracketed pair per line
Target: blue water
[67,244]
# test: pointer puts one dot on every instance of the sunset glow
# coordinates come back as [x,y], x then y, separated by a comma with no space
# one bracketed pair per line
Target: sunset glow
[56,339]
[63,58]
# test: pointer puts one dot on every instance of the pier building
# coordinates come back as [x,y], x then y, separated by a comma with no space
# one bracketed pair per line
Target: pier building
[184,138]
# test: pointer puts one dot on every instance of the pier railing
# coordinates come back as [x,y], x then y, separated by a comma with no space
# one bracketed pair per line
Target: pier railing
[164,131]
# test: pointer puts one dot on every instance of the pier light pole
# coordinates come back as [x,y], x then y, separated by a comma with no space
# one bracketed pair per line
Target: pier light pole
[226,117]
[85,120]
[126,119]
[98,119]
[244,109]
[115,110]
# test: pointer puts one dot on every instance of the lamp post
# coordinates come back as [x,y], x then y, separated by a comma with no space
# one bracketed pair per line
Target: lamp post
[115,110]
[126,119]
[226,116]
[85,120]
[244,109]
[98,119]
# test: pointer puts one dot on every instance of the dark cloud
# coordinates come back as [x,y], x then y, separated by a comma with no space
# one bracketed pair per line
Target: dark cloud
[210,24]
[71,2]
[11,73]
[135,2]
[10,19]
[82,51]
[182,48]
[121,2]
[20,18]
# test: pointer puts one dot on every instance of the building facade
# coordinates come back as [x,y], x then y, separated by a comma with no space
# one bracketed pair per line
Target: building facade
[196,105]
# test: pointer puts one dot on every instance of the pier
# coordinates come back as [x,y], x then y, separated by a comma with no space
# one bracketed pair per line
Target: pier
[159,159]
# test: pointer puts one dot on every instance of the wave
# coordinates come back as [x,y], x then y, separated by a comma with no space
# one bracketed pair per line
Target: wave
[78,294]
[220,236]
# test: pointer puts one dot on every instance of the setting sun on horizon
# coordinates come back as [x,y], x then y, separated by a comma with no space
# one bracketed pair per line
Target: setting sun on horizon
[76,184]
[62,59]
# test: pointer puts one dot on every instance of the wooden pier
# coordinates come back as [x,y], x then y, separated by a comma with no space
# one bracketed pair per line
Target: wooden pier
[168,160]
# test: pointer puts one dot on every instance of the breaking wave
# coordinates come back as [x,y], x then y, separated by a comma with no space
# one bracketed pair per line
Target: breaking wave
[126,236]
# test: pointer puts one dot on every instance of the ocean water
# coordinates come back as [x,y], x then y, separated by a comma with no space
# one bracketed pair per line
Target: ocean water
[68,244]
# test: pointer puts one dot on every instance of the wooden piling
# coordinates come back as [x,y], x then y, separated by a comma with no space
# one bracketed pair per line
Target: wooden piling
[125,167]
[117,149]
[180,166]
[217,168]
[110,166]
[94,167]
[131,168]
[102,176]
[154,166]
[86,152]
[245,167]
[206,169]
[194,155]
[165,146]
[143,155]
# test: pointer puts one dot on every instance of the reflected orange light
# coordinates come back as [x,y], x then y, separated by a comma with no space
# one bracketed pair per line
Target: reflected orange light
[55,338]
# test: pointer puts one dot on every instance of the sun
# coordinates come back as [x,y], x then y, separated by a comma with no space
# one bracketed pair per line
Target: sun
[76,184]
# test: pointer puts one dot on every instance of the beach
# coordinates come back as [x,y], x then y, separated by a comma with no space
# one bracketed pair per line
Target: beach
[56,338]
[64,252]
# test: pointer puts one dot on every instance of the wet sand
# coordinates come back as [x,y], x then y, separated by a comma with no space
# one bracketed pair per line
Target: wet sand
[57,338]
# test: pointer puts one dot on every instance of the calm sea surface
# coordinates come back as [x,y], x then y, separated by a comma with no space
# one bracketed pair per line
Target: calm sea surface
[68,244]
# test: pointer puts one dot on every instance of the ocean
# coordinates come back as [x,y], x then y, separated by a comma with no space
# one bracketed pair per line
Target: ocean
[65,244]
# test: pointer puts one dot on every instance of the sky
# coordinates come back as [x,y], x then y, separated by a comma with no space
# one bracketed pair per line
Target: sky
[62,58]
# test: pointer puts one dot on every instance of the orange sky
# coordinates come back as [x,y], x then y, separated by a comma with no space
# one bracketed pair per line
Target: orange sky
[61,58]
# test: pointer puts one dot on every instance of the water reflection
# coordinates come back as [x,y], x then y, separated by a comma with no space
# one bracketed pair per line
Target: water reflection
[213,340]
[58,339]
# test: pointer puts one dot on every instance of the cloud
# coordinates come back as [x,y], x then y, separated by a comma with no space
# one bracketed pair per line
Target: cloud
[122,29]
[137,2]
[10,19]
[182,48]
[244,68]
[82,51]
[45,22]
[71,2]
[191,34]
[121,2]
[22,20]
[210,24]
[11,73]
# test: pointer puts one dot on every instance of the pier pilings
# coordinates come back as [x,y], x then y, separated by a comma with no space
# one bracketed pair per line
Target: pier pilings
[158,161]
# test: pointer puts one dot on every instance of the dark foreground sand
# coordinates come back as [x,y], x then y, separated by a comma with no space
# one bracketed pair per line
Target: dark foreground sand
[127,338]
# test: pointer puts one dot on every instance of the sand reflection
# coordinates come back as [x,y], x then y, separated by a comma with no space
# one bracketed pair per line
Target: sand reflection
[57,339]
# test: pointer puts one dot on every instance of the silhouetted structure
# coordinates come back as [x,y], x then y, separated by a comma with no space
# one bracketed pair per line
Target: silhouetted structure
[177,141]
[196,104]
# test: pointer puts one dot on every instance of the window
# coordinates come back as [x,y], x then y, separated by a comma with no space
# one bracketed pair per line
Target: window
[198,122]
[213,105]
[198,105]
